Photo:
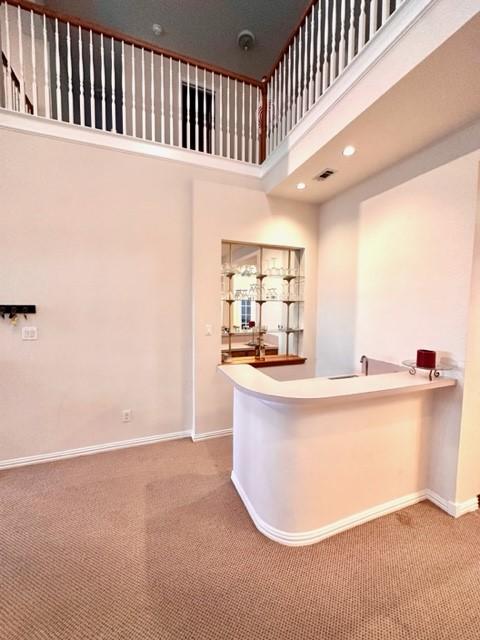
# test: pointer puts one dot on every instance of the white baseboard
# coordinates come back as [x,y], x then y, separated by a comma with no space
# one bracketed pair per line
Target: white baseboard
[316,535]
[211,434]
[455,509]
[86,451]
[310,537]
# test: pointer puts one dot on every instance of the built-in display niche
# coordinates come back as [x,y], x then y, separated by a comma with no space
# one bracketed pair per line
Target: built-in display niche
[262,289]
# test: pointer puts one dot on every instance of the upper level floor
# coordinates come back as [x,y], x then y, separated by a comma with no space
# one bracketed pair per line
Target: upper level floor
[71,78]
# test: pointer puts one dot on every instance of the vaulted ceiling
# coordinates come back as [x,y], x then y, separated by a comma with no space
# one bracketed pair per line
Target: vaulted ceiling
[203,29]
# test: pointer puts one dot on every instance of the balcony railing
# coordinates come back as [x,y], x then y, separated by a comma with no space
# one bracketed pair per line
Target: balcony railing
[64,69]
[330,34]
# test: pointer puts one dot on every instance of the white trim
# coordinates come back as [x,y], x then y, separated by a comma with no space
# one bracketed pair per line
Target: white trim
[211,434]
[455,509]
[437,500]
[311,537]
[86,451]
[110,140]
[467,506]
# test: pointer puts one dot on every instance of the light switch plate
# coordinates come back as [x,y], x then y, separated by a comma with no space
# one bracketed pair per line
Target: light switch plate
[29,333]
[208,330]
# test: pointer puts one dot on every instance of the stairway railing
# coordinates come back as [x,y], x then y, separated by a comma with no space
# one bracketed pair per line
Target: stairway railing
[330,34]
[81,73]
[88,75]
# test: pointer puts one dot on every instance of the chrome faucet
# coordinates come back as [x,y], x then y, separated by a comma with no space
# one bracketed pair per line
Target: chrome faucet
[364,362]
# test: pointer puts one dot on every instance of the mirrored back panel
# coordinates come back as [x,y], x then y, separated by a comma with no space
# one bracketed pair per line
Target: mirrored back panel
[262,288]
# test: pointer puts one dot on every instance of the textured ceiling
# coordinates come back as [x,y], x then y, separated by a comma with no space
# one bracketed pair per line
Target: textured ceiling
[204,29]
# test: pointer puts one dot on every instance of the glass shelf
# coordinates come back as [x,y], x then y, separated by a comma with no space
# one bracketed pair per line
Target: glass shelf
[434,372]
[260,301]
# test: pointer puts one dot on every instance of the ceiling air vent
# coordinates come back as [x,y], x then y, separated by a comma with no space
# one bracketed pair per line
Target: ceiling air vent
[326,173]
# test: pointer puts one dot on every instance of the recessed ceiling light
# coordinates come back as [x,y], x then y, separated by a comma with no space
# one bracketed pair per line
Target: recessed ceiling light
[301,185]
[349,151]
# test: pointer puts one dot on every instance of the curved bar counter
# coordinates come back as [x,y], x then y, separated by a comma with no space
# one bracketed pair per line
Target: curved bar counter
[318,456]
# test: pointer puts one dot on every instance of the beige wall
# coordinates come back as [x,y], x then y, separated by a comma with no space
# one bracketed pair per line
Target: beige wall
[100,241]
[468,476]
[395,258]
[225,213]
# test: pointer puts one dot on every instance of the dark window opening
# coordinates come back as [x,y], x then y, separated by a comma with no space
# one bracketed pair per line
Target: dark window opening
[193,99]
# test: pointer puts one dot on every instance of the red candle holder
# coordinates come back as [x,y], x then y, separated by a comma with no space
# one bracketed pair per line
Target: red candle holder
[426,359]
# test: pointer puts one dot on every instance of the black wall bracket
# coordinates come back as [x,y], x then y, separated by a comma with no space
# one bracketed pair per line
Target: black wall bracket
[12,310]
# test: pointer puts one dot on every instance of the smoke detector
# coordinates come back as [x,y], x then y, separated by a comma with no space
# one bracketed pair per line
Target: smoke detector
[246,40]
[157,29]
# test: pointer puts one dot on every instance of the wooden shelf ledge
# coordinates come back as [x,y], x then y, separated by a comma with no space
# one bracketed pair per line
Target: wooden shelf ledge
[270,361]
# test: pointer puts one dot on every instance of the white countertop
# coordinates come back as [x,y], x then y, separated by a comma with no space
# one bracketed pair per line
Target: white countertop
[254,382]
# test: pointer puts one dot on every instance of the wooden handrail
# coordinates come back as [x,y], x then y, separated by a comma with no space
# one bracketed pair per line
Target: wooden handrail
[142,44]
[292,35]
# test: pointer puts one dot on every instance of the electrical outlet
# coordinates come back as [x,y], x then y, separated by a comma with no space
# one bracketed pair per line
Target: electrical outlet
[29,333]
[127,415]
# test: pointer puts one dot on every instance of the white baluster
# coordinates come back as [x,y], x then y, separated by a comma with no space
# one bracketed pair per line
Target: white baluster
[311,86]
[242,151]
[259,101]
[102,79]
[212,116]
[235,122]
[23,103]
[274,110]
[284,98]
[341,56]
[188,106]
[305,70]
[124,104]
[144,123]
[289,90]
[325,72]
[373,18]
[220,108]
[250,139]
[333,54]
[299,78]
[205,145]
[134,107]
[318,73]
[351,34]
[362,26]
[57,74]
[257,123]
[114,96]
[34,64]
[385,11]
[9,85]
[278,106]
[92,84]
[162,102]
[197,130]
[179,74]
[294,83]
[46,68]
[81,78]
[152,97]
[69,75]
[228,117]
[268,117]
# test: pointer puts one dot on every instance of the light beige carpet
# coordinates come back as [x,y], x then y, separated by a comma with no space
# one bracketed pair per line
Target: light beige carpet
[153,543]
